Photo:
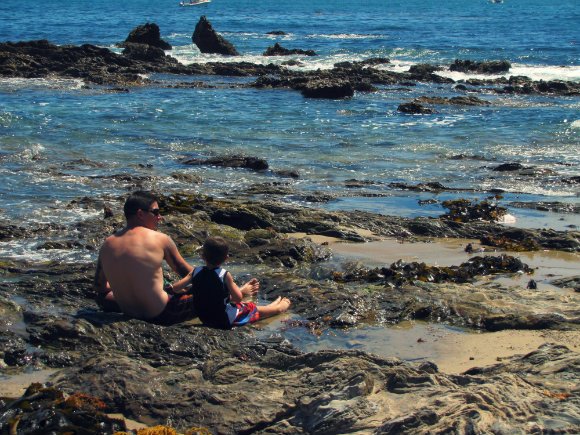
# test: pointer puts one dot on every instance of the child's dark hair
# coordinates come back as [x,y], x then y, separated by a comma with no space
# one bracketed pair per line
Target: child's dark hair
[215,250]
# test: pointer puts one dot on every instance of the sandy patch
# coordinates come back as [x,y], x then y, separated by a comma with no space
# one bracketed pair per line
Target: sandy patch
[454,351]
[457,353]
[15,385]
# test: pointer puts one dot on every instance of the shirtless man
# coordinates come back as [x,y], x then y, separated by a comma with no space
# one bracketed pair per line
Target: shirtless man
[129,276]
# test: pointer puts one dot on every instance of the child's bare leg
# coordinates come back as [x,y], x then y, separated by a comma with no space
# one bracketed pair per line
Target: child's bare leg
[278,306]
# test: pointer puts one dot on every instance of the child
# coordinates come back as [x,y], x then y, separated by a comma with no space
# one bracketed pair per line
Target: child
[216,297]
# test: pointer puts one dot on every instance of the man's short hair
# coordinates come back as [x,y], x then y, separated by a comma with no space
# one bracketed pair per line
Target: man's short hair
[215,250]
[140,200]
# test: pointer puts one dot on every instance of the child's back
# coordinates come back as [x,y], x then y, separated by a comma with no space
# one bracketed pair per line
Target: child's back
[210,296]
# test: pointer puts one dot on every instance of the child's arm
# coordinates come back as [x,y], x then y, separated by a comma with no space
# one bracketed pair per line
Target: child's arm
[180,286]
[236,293]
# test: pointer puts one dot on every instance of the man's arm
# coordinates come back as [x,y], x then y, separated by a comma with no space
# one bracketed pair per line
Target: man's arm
[101,285]
[174,258]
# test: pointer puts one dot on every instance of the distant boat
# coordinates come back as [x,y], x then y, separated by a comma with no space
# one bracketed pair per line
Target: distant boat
[193,2]
[496,1]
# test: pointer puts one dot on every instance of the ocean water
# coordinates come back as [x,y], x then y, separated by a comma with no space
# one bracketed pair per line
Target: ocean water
[60,141]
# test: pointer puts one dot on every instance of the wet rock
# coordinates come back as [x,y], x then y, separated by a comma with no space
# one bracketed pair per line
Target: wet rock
[325,391]
[148,34]
[458,101]
[424,69]
[187,177]
[491,67]
[328,89]
[10,231]
[276,32]
[519,239]
[568,282]
[414,109]
[552,206]
[209,41]
[571,180]
[278,50]
[464,210]
[288,173]
[400,273]
[353,183]
[235,161]
[508,167]
[49,410]
[107,212]
[144,52]
[434,186]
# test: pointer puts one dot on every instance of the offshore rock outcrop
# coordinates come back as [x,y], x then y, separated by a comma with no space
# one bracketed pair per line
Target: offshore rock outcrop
[490,67]
[209,41]
[100,66]
[278,50]
[148,34]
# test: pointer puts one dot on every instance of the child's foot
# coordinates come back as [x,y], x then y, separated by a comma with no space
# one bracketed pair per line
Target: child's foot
[283,305]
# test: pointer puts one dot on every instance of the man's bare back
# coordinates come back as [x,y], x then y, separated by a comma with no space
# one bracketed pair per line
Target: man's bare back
[132,260]
[129,270]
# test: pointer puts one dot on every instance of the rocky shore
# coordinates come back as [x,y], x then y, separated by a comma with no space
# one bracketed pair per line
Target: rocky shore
[189,376]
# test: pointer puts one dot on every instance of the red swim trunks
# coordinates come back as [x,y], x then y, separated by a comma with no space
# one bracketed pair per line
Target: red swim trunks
[247,313]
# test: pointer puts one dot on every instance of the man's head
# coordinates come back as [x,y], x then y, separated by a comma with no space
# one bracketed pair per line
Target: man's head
[215,251]
[141,208]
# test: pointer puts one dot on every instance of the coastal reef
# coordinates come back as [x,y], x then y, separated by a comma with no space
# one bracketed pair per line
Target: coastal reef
[187,378]
[144,54]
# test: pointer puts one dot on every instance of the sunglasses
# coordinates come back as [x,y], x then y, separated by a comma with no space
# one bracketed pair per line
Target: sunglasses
[154,211]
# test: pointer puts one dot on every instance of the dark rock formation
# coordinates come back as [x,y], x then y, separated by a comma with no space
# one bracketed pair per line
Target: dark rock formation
[278,50]
[254,163]
[209,41]
[424,69]
[434,186]
[491,67]
[414,109]
[508,167]
[465,210]
[328,89]
[147,34]
[459,101]
[553,206]
[147,53]
[571,180]
[88,62]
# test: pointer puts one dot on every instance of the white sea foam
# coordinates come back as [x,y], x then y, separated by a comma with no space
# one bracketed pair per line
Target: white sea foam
[535,72]
[575,124]
[345,36]
[28,250]
[17,83]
